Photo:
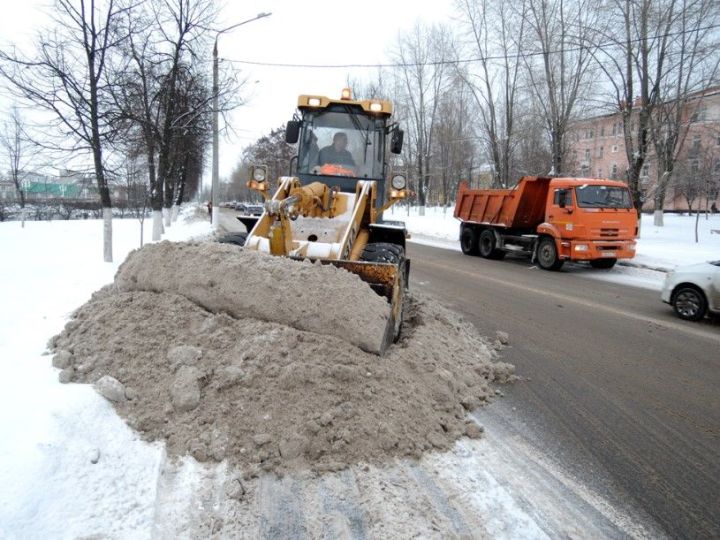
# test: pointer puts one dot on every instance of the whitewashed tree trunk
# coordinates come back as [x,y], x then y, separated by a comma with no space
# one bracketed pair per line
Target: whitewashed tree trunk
[421,211]
[658,219]
[107,234]
[22,217]
[175,212]
[166,216]
[157,225]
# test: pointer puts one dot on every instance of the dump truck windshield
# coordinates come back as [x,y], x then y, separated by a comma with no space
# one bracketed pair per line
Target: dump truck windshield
[603,197]
[342,144]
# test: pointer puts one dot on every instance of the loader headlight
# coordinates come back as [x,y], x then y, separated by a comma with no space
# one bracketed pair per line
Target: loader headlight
[259,174]
[398,182]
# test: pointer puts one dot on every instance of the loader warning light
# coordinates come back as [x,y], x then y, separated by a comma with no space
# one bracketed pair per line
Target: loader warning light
[346,94]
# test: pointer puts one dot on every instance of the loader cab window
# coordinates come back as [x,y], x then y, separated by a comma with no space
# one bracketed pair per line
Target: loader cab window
[342,143]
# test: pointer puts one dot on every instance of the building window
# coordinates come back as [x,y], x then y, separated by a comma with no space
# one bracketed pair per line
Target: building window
[600,152]
[614,129]
[602,131]
[599,173]
[645,173]
[613,174]
[614,148]
[698,114]
[587,154]
[694,166]
[717,166]
[695,148]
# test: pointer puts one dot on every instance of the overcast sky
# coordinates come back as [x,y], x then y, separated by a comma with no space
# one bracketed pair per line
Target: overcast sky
[306,32]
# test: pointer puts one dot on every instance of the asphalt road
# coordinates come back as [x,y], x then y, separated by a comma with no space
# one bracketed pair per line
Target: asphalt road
[612,382]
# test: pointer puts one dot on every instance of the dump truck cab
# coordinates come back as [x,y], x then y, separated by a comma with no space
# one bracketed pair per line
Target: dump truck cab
[590,219]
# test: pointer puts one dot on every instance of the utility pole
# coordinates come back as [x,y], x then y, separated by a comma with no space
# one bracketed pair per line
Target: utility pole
[214,197]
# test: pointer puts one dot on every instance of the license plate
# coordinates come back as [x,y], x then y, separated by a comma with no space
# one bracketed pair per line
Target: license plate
[608,254]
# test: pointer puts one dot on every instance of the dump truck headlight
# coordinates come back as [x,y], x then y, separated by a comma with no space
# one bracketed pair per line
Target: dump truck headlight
[398,182]
[581,247]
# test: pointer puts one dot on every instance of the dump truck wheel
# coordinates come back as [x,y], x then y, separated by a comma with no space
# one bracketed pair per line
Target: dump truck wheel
[469,241]
[603,264]
[547,255]
[234,238]
[383,252]
[486,246]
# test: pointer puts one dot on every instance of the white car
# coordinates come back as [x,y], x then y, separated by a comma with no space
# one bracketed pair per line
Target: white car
[693,290]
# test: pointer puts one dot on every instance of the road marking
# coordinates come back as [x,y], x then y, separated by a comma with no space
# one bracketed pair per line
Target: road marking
[586,303]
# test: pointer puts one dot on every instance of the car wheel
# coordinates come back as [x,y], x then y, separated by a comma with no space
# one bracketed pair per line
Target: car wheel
[689,303]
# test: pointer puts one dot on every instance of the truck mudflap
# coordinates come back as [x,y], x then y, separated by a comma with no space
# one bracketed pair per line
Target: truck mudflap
[587,250]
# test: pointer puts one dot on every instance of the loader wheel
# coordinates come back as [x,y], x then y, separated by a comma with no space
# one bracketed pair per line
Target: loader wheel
[603,264]
[547,255]
[487,246]
[383,252]
[234,238]
[469,241]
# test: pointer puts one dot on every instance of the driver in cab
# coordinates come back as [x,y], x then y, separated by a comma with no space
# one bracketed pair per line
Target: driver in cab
[336,153]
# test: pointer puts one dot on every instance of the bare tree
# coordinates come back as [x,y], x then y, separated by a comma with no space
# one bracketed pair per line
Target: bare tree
[67,77]
[559,32]
[692,65]
[495,32]
[15,144]
[422,56]
[634,56]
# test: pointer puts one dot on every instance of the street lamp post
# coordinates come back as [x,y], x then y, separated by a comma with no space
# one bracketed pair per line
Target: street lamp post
[215,187]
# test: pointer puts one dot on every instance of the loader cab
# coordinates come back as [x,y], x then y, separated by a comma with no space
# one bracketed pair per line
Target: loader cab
[343,141]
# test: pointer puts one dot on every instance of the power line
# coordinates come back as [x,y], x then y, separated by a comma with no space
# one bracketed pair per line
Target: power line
[458,61]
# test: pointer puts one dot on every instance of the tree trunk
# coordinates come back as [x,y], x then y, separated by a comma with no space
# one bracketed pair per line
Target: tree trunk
[697,219]
[658,219]
[107,234]
[157,225]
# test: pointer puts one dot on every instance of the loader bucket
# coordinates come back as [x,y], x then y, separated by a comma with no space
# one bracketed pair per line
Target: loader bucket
[387,280]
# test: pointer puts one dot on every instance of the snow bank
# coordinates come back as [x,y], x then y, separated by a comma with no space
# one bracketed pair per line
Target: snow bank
[69,466]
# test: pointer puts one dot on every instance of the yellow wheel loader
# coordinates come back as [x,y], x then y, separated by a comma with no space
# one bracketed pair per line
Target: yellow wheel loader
[330,208]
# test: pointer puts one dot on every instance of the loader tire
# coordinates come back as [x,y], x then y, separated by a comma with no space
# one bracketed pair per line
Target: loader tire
[384,252]
[234,238]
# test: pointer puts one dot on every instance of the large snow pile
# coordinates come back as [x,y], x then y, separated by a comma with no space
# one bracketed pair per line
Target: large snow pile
[221,383]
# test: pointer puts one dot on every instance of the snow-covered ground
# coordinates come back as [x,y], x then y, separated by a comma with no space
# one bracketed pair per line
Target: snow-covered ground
[659,249]
[50,433]
[71,468]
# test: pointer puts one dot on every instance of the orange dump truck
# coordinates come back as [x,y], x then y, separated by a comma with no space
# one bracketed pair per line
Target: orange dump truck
[552,220]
